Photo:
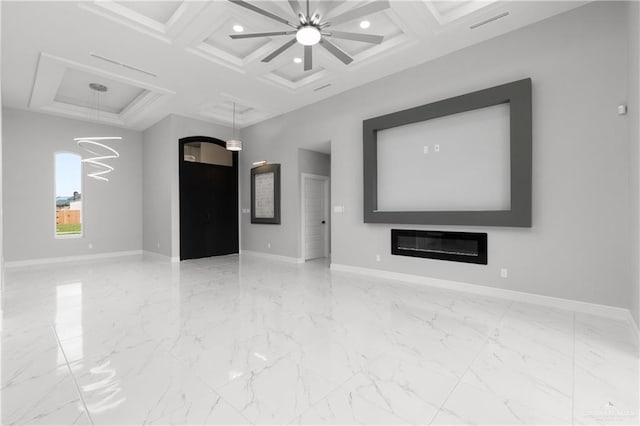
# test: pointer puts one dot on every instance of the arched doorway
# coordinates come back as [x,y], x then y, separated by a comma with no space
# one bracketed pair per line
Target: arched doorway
[208,198]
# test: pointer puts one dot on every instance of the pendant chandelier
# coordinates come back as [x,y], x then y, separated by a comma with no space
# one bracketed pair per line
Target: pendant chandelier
[234,144]
[95,145]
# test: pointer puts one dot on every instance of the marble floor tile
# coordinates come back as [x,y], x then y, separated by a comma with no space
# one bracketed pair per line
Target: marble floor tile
[446,342]
[29,355]
[402,385]
[468,405]
[607,372]
[50,398]
[146,385]
[302,378]
[242,340]
[345,407]
[528,359]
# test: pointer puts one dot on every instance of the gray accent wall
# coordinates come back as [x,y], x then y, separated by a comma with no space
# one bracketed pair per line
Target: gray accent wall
[161,209]
[579,246]
[112,211]
[450,182]
[634,131]
[1,191]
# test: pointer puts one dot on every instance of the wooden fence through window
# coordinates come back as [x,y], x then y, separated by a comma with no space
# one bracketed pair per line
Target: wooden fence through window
[65,217]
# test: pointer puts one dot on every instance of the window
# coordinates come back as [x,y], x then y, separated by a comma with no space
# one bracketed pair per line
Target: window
[68,178]
[207,153]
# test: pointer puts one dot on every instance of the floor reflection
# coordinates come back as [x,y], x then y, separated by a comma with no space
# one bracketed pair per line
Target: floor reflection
[105,390]
[68,321]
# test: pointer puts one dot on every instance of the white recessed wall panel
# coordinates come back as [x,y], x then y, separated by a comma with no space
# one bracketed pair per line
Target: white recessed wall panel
[454,163]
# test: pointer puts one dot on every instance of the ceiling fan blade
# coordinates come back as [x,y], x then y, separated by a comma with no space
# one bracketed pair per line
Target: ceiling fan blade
[279,50]
[295,6]
[367,38]
[367,9]
[336,51]
[308,62]
[261,11]
[276,33]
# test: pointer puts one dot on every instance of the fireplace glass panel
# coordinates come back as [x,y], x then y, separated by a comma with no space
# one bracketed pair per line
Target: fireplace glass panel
[455,246]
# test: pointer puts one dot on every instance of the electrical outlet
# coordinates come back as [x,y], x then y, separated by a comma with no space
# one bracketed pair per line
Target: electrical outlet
[90,245]
[425,149]
[158,245]
[268,245]
[377,258]
[504,273]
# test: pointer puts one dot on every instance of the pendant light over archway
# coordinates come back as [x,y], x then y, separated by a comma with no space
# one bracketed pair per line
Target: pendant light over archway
[234,144]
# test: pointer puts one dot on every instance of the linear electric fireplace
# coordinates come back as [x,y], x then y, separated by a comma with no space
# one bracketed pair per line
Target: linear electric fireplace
[468,247]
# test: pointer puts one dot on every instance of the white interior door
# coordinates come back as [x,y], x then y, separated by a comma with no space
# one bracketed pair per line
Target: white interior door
[315,194]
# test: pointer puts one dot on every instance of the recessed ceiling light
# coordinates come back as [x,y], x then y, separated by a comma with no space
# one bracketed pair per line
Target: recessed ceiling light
[238,28]
[297,60]
[365,24]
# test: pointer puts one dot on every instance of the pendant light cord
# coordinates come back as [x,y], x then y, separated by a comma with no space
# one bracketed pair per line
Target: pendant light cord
[234,120]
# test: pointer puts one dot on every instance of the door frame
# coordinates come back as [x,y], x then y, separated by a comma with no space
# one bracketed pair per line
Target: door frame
[236,166]
[327,206]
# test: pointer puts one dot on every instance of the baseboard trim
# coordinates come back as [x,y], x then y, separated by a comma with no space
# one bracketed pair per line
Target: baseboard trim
[538,299]
[278,257]
[62,259]
[161,256]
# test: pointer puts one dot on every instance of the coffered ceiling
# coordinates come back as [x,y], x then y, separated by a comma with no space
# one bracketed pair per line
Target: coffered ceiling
[163,57]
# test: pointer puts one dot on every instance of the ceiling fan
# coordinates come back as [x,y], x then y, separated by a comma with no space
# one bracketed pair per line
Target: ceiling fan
[311,29]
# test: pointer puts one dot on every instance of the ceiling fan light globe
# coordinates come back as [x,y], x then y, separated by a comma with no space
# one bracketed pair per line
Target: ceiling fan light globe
[308,35]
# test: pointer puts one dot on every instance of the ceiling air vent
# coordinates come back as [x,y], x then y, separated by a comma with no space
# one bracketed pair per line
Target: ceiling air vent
[321,87]
[486,21]
[113,61]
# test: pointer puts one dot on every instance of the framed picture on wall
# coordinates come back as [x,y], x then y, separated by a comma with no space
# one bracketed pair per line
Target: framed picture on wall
[265,194]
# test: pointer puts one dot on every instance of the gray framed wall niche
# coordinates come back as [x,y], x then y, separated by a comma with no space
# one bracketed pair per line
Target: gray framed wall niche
[265,194]
[465,160]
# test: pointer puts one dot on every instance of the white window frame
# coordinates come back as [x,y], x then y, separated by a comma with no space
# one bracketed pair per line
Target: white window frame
[55,180]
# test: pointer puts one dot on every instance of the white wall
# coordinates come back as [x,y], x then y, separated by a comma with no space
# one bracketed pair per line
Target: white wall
[579,245]
[157,179]
[634,119]
[112,211]
[161,211]
[315,163]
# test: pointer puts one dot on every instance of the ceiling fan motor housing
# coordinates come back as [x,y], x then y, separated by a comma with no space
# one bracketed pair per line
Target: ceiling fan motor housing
[308,29]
